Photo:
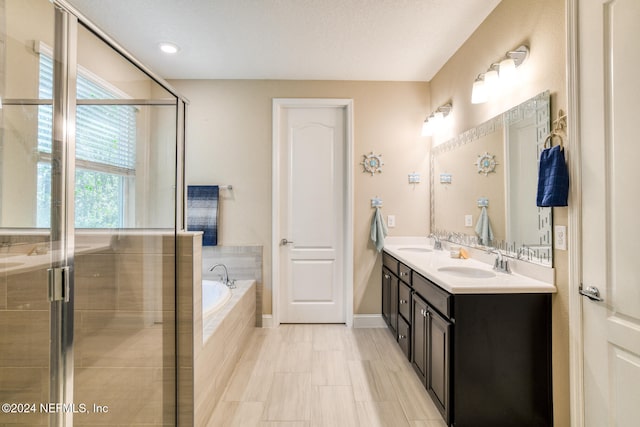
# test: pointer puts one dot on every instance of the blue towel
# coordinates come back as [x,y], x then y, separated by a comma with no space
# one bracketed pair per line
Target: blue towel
[483,228]
[202,212]
[378,230]
[553,178]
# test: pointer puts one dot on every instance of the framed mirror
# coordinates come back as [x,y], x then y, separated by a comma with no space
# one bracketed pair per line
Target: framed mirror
[494,168]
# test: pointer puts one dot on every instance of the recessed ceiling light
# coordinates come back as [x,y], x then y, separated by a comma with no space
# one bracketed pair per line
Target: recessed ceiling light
[169,48]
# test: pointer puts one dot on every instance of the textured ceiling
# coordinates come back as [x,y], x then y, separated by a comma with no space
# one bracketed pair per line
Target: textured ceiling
[389,40]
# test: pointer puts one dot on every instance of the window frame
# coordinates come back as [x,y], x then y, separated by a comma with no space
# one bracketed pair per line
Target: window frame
[126,202]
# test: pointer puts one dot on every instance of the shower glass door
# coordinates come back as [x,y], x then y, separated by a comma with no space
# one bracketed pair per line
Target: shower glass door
[27,251]
[88,164]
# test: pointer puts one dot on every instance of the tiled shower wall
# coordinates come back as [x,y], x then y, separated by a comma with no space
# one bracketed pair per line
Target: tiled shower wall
[243,263]
[124,331]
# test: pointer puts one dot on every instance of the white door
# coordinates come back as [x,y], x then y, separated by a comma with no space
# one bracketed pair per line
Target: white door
[609,89]
[312,210]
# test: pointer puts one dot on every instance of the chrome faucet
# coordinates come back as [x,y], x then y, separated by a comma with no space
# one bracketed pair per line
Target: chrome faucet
[437,244]
[225,278]
[500,263]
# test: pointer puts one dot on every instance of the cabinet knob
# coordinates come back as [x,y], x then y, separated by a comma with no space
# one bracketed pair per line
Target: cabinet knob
[403,301]
[386,276]
[401,337]
[402,274]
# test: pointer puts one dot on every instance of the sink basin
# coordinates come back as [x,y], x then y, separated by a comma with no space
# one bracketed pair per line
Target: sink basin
[415,249]
[472,272]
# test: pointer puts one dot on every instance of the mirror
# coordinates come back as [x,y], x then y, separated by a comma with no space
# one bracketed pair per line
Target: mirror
[494,167]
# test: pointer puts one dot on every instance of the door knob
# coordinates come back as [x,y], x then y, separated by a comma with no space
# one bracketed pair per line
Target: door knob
[591,292]
[285,242]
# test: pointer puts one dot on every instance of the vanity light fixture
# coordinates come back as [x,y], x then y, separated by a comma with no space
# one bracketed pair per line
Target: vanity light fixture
[434,121]
[169,48]
[500,73]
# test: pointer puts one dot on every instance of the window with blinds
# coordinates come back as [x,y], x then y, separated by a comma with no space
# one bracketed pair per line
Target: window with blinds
[105,153]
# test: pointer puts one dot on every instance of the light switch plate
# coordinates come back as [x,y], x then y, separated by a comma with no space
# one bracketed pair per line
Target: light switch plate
[391,220]
[560,237]
[468,220]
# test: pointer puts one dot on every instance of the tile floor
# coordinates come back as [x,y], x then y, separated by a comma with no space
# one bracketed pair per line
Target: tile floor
[324,375]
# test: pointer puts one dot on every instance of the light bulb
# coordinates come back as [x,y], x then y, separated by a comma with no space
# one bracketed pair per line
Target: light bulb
[491,80]
[479,92]
[169,48]
[507,70]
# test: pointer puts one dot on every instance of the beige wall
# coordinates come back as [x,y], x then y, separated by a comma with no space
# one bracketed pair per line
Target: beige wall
[229,142]
[541,25]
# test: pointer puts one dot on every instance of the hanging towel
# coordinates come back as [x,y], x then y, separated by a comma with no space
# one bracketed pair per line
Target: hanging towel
[378,230]
[553,178]
[202,212]
[483,228]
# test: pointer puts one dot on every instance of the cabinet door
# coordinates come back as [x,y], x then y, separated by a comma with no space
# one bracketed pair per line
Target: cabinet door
[418,337]
[393,304]
[404,337]
[386,295]
[438,358]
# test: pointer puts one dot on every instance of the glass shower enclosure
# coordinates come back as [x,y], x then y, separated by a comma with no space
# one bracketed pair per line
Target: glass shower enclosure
[90,148]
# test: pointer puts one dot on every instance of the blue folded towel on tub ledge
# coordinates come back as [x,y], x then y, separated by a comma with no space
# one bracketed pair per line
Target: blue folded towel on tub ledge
[553,178]
[378,230]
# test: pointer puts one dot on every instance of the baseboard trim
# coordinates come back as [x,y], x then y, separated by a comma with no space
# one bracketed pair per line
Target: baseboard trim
[368,321]
[267,321]
[359,321]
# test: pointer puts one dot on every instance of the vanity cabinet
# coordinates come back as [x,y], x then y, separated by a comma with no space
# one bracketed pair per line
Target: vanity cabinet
[484,359]
[390,299]
[431,345]
[396,301]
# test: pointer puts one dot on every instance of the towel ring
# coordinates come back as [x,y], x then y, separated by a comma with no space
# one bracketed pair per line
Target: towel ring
[549,140]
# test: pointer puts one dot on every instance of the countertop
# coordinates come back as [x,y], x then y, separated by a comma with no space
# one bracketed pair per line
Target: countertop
[428,263]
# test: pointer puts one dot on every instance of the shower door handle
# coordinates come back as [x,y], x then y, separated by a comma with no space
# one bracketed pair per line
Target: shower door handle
[285,242]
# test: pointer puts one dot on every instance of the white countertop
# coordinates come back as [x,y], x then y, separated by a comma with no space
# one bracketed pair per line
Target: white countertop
[428,263]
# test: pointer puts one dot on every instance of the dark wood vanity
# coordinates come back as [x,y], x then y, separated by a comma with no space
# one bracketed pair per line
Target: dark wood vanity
[484,358]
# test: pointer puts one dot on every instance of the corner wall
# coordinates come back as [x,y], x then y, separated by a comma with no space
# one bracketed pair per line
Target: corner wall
[229,129]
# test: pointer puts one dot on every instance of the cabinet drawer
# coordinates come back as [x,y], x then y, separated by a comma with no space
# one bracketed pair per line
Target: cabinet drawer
[404,337]
[404,301]
[404,273]
[434,295]
[390,262]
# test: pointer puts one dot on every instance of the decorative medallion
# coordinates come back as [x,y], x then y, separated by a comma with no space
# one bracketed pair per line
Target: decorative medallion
[372,163]
[486,163]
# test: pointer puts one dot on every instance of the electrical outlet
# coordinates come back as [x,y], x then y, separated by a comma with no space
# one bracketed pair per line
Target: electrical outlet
[560,237]
[391,220]
[468,220]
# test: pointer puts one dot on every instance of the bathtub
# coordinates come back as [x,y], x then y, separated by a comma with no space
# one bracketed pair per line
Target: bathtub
[219,302]
[214,296]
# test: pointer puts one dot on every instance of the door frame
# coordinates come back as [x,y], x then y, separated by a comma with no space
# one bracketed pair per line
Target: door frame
[576,342]
[278,105]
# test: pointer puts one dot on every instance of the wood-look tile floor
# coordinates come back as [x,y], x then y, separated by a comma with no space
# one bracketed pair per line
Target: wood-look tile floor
[324,375]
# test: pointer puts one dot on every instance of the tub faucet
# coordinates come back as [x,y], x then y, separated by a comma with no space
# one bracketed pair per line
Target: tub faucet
[225,276]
